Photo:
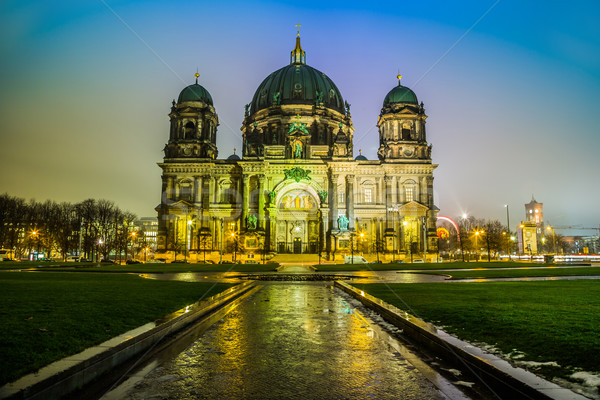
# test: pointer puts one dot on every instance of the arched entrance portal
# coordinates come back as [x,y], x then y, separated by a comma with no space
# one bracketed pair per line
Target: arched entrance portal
[298,228]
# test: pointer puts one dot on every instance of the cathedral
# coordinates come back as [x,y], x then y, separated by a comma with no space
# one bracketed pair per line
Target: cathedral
[296,187]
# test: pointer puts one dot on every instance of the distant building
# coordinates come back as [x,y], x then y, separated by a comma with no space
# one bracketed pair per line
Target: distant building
[149,227]
[534,212]
[527,236]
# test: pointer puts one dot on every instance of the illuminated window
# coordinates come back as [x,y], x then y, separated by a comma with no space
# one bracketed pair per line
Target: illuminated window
[409,193]
[341,197]
[368,196]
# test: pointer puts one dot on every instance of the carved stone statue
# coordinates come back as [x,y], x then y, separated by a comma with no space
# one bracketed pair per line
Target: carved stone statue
[277,99]
[343,222]
[297,150]
[252,221]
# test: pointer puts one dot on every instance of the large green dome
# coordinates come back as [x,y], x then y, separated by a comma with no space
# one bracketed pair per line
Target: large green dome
[400,94]
[297,84]
[195,92]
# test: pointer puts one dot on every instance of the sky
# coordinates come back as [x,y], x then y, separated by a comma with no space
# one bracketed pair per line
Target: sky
[511,90]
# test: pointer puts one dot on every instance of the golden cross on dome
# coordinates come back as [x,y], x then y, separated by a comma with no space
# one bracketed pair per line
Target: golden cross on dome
[399,77]
[298,28]
[234,149]
[197,75]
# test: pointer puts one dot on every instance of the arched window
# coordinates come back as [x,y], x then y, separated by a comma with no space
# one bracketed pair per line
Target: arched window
[189,130]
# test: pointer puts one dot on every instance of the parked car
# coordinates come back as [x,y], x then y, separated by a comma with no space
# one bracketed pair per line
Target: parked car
[418,261]
[251,262]
[355,260]
[107,261]
[133,262]
[179,262]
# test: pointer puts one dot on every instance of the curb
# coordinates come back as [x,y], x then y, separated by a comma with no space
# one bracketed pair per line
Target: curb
[71,373]
[506,380]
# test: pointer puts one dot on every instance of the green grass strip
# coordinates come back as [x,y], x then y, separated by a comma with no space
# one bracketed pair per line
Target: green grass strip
[423,266]
[46,317]
[521,273]
[153,268]
[547,320]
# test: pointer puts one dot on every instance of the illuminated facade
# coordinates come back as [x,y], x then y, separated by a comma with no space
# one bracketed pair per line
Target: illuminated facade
[296,187]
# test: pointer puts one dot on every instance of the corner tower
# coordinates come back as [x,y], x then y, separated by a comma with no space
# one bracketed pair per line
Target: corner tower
[401,126]
[193,125]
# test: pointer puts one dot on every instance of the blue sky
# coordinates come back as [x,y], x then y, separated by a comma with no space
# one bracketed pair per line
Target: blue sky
[511,91]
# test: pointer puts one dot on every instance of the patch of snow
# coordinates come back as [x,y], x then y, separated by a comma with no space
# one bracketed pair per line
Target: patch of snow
[589,379]
[453,371]
[463,383]
[538,364]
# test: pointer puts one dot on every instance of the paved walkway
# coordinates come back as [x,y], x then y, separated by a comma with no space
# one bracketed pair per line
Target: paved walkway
[291,341]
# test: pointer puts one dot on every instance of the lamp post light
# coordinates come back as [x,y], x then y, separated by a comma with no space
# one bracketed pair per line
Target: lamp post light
[391,210]
[133,235]
[508,230]
[35,235]
[221,252]
[100,242]
[476,248]
[553,238]
[188,234]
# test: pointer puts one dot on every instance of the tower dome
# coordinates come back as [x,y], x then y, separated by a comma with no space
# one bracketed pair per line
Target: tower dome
[400,94]
[195,92]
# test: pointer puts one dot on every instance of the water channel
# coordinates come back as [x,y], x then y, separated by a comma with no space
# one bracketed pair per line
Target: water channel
[289,340]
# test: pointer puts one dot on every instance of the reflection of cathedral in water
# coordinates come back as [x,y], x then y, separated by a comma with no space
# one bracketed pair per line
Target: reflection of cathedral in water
[296,187]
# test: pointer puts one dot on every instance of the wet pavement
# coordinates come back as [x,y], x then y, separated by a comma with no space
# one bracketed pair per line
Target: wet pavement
[302,275]
[290,341]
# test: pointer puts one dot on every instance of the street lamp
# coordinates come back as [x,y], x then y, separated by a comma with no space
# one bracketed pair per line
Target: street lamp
[476,247]
[35,235]
[553,238]
[133,235]
[234,245]
[188,234]
[508,228]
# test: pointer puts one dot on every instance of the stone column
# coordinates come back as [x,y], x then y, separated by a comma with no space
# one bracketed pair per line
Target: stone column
[213,189]
[245,200]
[333,200]
[261,202]
[197,191]
[350,201]
[388,200]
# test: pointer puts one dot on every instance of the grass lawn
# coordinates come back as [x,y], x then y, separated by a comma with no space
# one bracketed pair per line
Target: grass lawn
[521,273]
[548,320]
[45,317]
[423,266]
[150,268]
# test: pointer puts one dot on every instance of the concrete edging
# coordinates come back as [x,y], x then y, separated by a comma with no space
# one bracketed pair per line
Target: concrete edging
[73,372]
[503,378]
